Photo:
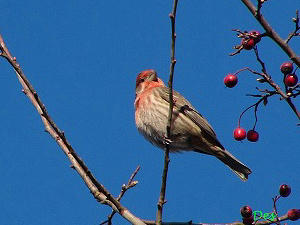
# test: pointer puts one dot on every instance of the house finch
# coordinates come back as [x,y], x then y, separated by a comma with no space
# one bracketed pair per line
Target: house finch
[190,131]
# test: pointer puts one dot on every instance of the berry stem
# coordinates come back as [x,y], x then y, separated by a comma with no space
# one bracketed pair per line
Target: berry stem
[255,114]
[285,86]
[243,69]
[274,206]
[256,104]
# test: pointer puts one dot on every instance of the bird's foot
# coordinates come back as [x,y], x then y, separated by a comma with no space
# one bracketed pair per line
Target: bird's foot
[167,141]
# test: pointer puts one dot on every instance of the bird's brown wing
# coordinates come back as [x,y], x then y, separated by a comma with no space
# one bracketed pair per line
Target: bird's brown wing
[184,106]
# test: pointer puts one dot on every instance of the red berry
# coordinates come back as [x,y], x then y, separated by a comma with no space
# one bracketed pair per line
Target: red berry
[239,134]
[291,80]
[248,44]
[294,214]
[246,211]
[286,67]
[248,221]
[230,80]
[256,36]
[284,190]
[252,135]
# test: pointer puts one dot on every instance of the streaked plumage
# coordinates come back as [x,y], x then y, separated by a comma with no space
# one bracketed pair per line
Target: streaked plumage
[190,131]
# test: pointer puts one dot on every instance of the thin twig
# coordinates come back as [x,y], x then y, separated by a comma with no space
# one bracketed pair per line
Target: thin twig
[130,184]
[161,200]
[274,206]
[259,5]
[99,192]
[297,28]
[263,67]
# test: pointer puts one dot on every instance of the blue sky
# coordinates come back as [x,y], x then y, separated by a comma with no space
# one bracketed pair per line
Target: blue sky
[82,57]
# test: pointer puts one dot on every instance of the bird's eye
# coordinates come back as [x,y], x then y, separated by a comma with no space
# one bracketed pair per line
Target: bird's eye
[139,81]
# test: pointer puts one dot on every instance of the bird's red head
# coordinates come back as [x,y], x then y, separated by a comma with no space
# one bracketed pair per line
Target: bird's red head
[146,75]
[147,79]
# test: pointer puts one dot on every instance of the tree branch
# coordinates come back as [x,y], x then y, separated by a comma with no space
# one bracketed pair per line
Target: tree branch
[268,79]
[99,192]
[272,33]
[161,200]
[265,222]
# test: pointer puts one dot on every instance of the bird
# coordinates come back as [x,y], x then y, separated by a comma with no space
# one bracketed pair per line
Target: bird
[190,131]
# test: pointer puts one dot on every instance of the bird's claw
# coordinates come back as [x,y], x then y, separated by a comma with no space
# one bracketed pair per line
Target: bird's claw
[167,141]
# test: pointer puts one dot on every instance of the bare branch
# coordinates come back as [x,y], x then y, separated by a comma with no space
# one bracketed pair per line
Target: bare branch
[161,200]
[99,192]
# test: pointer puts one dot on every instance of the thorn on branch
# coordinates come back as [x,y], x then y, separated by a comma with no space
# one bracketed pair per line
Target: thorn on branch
[261,80]
[35,95]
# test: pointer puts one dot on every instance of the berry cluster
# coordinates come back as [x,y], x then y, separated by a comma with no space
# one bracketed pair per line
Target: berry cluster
[240,134]
[290,77]
[248,40]
[284,191]
[231,80]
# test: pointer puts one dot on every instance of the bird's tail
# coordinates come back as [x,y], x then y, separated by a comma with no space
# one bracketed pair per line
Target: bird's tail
[241,170]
